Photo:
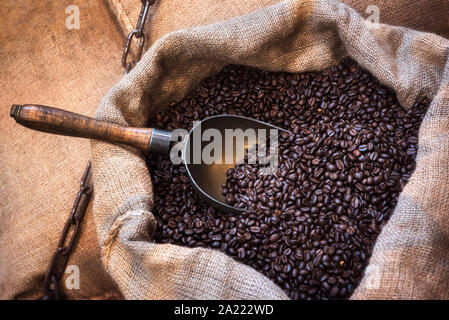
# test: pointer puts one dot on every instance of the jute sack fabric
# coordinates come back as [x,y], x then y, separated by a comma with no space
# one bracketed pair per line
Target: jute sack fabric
[411,256]
[44,62]
[167,16]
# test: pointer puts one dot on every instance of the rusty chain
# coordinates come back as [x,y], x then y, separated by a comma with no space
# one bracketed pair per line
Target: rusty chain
[58,263]
[72,226]
[137,33]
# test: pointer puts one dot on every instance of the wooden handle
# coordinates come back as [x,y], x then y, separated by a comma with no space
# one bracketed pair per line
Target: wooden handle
[57,121]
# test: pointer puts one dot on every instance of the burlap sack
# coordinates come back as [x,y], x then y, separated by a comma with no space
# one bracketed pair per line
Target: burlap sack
[167,16]
[41,61]
[411,256]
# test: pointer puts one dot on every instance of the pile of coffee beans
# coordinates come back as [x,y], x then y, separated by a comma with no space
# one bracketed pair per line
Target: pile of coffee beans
[314,222]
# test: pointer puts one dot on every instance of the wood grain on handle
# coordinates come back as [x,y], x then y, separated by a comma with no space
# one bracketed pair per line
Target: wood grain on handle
[58,121]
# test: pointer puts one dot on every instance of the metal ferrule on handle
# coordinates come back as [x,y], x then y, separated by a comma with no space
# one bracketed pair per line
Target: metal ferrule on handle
[160,141]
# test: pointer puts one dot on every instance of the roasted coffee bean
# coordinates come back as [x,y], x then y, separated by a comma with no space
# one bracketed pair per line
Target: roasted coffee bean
[274,237]
[313,224]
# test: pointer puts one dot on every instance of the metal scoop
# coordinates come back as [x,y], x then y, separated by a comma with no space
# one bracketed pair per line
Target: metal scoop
[207,178]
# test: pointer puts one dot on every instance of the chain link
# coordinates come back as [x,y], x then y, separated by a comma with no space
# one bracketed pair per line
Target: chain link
[139,34]
[68,238]
[72,227]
